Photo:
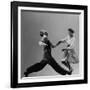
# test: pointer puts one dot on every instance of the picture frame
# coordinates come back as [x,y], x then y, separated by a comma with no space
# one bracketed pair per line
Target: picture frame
[19,13]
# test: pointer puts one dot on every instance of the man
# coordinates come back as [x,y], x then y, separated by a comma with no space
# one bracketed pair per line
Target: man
[69,53]
[47,57]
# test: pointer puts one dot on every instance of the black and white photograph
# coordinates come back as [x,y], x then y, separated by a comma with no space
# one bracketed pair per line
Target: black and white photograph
[49,44]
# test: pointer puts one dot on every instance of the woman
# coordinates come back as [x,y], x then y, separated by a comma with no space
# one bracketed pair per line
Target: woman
[69,53]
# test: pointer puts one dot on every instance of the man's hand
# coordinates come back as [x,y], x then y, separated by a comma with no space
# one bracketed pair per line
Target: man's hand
[42,43]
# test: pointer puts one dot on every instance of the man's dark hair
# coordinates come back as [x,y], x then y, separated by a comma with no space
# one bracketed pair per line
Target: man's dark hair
[43,32]
[71,30]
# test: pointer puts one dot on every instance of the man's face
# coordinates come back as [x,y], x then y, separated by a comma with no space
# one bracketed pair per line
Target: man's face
[44,38]
[43,34]
[70,33]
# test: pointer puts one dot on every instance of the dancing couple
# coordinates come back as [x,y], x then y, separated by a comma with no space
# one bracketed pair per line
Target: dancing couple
[47,58]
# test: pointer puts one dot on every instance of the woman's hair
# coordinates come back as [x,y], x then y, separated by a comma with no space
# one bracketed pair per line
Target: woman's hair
[71,30]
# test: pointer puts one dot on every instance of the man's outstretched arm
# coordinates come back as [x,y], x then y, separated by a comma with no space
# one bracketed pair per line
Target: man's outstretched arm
[53,46]
[58,43]
[61,41]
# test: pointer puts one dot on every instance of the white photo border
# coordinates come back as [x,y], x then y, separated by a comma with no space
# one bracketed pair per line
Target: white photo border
[81,46]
